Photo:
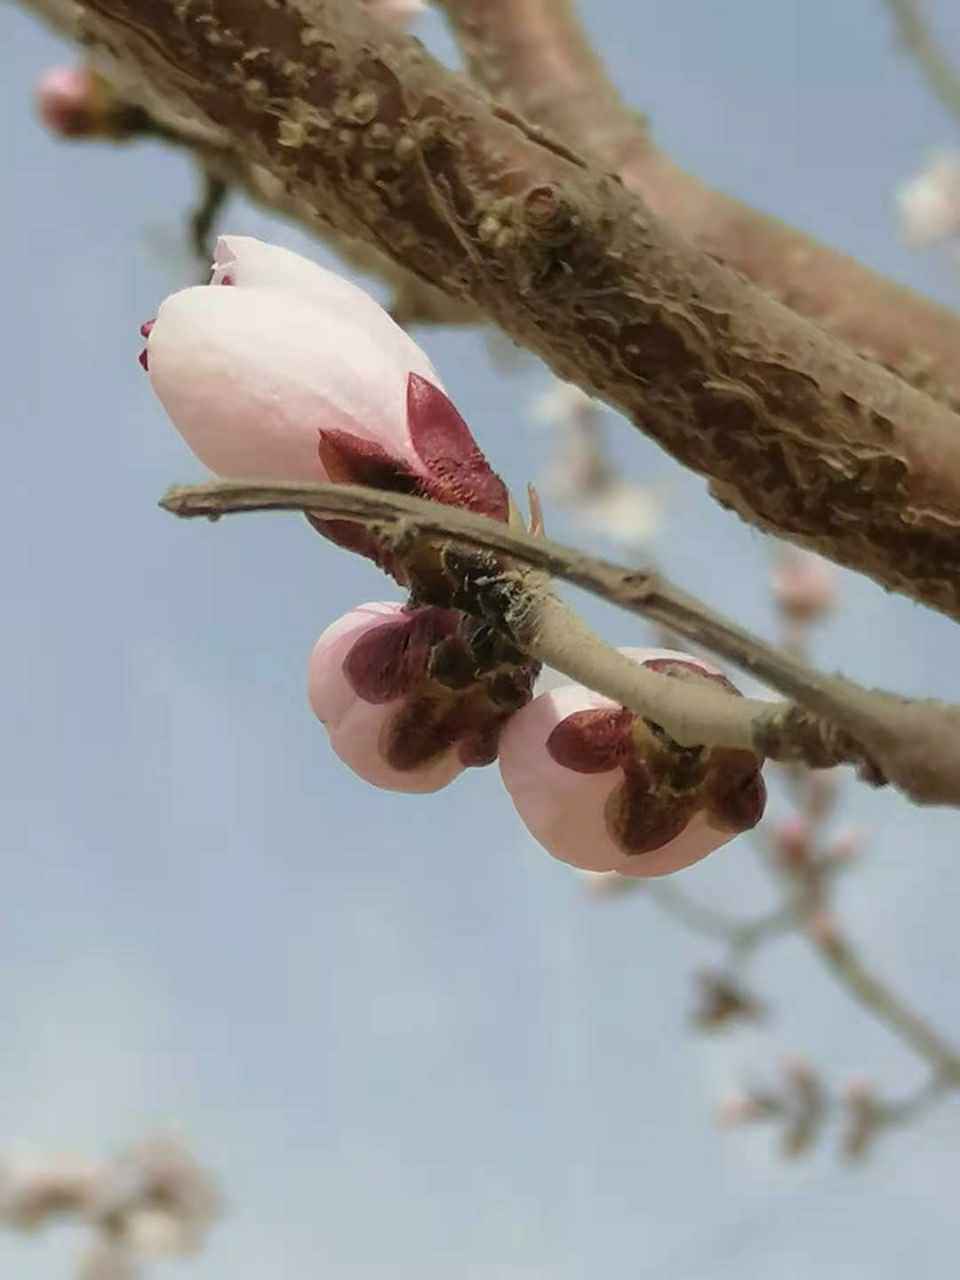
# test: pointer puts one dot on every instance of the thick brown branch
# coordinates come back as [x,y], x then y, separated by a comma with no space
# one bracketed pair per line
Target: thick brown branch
[913,744]
[534,57]
[798,434]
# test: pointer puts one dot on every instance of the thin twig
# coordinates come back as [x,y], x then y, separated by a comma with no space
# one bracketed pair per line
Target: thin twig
[913,744]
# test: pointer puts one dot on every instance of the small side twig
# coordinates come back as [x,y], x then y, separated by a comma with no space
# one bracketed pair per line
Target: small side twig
[830,721]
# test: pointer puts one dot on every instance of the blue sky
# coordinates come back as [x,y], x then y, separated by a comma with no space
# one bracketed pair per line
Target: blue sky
[406,1038]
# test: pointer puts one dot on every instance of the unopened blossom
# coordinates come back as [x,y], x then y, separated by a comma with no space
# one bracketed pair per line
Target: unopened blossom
[804,585]
[156,1199]
[604,789]
[282,370]
[78,103]
[929,203]
[412,696]
[35,1189]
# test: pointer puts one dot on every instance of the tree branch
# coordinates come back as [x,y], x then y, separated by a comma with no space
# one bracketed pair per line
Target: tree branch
[913,744]
[533,56]
[917,38]
[799,435]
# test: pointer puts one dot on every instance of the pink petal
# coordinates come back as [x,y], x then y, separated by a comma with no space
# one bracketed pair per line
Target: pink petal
[358,729]
[251,376]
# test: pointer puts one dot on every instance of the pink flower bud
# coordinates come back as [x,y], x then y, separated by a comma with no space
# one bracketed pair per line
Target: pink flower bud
[606,790]
[296,374]
[70,101]
[412,697]
[804,585]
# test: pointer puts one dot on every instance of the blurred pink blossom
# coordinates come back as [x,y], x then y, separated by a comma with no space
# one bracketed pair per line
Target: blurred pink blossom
[929,202]
[70,101]
[601,788]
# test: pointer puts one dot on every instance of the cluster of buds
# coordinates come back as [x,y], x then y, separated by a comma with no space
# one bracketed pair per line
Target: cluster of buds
[800,1106]
[281,370]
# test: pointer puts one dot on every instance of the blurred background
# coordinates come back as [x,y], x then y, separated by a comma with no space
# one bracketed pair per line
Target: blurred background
[407,1041]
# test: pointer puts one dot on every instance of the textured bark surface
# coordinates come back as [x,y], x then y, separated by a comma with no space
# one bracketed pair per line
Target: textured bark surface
[797,433]
[534,56]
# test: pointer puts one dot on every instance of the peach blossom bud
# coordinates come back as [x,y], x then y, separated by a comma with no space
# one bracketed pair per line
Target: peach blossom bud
[863,1118]
[70,102]
[33,1190]
[293,373]
[930,201]
[412,697]
[605,790]
[804,585]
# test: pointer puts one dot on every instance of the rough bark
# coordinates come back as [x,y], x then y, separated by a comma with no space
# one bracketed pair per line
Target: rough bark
[798,434]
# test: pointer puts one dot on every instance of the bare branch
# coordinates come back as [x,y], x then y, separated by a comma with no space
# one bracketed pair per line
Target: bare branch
[913,744]
[798,434]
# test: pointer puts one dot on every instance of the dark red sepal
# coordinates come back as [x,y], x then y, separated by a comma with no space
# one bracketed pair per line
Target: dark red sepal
[456,472]
[592,741]
[350,459]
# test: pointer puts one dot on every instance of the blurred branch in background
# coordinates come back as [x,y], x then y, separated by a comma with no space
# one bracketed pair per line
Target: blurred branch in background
[915,33]
[804,861]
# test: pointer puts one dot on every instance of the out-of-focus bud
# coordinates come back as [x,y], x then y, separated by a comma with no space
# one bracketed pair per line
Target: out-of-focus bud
[72,102]
[929,202]
[793,842]
[78,104]
[804,585]
[36,1189]
[156,1200]
[739,1109]
[605,790]
[293,373]
[863,1116]
[412,697]
[724,1000]
[804,1105]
